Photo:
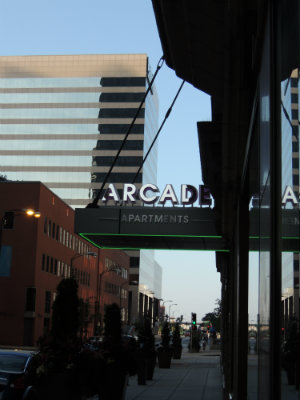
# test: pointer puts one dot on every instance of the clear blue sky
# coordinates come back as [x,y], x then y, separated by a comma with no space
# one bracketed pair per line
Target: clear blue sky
[117,26]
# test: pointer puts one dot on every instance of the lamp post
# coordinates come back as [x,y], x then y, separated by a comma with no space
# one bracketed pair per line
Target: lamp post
[113,269]
[166,301]
[8,216]
[89,253]
[174,304]
[84,312]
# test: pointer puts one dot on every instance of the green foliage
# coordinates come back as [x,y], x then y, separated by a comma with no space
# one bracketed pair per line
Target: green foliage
[165,334]
[215,316]
[65,316]
[112,322]
[145,335]
[176,340]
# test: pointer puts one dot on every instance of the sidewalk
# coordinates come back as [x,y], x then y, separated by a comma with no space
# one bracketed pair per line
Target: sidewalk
[195,375]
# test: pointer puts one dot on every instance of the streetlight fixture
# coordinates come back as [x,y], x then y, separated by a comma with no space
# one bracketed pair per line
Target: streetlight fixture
[174,304]
[166,301]
[113,269]
[89,253]
[8,216]
[32,213]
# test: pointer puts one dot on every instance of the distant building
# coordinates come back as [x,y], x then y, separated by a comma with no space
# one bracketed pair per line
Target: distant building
[37,253]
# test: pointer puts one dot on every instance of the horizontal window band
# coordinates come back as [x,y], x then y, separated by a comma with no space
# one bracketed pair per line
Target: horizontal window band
[76,202]
[72,169]
[38,121]
[80,185]
[74,90]
[70,153]
[117,177]
[119,186]
[121,97]
[38,106]
[120,128]
[121,161]
[69,113]
[120,113]
[70,136]
[122,81]
[116,144]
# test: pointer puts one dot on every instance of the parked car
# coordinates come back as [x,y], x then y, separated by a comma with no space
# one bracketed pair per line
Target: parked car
[95,340]
[13,367]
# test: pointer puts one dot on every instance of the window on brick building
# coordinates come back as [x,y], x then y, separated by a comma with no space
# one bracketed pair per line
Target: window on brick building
[47,301]
[30,299]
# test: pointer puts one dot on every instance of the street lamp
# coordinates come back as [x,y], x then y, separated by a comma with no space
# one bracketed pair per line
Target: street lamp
[89,253]
[7,218]
[83,303]
[166,301]
[174,304]
[113,269]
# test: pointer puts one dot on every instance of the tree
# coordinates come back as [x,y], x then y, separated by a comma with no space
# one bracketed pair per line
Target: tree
[215,316]
[65,316]
[3,178]
[113,325]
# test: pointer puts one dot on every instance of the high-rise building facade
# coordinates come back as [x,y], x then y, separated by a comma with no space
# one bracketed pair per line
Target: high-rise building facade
[62,122]
[63,118]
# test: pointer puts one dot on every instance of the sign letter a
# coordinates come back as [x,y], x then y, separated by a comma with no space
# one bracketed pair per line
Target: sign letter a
[289,195]
[111,194]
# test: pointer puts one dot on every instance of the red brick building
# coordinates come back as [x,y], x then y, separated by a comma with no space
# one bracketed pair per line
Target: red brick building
[37,253]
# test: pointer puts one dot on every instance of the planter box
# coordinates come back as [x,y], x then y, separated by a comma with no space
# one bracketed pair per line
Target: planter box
[177,353]
[164,358]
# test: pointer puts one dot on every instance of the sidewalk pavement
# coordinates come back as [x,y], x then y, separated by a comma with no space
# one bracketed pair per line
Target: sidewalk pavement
[195,375]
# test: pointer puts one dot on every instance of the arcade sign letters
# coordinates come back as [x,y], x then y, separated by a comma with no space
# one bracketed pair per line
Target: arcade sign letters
[289,196]
[150,194]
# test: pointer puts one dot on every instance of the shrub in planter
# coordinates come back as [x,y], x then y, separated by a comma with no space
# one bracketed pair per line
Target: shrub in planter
[119,359]
[176,342]
[54,369]
[164,351]
[146,355]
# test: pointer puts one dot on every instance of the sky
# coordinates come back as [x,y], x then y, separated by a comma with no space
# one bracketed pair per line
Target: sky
[57,27]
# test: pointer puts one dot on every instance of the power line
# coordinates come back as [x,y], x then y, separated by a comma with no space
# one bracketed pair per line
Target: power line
[158,132]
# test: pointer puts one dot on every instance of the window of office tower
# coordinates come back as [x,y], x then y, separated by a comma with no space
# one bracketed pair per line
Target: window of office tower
[288,48]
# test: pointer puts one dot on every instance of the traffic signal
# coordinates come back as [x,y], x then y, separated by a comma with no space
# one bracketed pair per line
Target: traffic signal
[194,320]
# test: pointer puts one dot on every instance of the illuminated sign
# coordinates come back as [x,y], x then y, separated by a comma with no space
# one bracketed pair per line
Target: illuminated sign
[134,227]
[289,196]
[150,194]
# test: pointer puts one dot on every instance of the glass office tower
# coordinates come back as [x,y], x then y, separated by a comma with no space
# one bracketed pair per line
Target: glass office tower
[63,118]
